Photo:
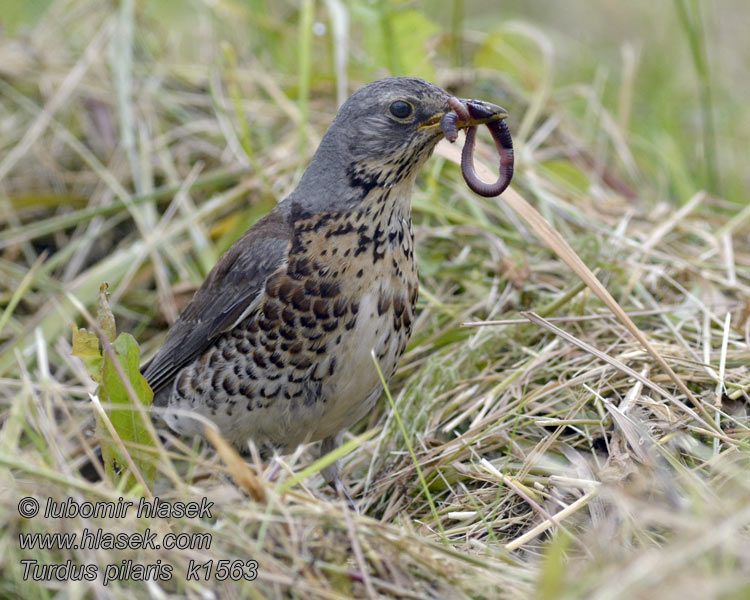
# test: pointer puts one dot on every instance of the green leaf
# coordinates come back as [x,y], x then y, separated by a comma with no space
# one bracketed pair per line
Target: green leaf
[413,30]
[123,413]
[18,15]
[86,344]
[397,38]
[86,347]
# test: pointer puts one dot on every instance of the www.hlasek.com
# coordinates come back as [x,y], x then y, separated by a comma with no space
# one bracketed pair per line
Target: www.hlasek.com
[93,539]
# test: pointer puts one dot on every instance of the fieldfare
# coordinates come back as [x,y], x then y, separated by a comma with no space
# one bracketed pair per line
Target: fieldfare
[276,345]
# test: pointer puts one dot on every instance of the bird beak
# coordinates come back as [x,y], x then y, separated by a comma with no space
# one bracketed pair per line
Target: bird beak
[481,113]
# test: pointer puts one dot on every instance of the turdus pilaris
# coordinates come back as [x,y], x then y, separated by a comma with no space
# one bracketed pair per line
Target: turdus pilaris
[276,345]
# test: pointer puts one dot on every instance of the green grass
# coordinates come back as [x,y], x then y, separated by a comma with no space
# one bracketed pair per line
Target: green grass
[137,142]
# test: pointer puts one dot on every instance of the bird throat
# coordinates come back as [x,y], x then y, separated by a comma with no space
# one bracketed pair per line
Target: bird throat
[378,223]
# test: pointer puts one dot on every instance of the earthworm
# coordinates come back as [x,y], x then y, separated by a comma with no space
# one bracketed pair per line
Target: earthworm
[449,122]
[503,143]
[449,125]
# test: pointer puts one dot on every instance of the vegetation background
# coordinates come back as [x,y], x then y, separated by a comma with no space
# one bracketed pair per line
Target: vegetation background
[139,139]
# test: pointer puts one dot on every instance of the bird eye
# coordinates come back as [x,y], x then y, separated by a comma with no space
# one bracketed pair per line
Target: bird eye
[401,109]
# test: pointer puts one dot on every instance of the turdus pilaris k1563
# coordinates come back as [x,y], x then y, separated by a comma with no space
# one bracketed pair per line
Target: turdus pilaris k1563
[276,345]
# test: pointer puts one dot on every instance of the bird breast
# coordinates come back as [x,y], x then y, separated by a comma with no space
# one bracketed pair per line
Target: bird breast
[371,258]
[300,366]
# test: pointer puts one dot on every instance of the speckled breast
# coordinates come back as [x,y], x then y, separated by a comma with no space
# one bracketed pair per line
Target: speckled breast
[300,367]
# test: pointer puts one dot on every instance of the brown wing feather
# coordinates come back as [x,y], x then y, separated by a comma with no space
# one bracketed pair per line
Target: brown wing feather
[231,286]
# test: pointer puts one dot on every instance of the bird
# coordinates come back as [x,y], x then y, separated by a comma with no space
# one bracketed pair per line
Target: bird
[276,346]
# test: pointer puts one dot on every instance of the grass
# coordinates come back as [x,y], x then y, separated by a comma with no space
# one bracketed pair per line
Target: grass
[529,444]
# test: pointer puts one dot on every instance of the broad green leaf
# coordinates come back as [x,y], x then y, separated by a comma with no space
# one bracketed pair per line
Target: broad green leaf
[124,415]
[18,15]
[86,347]
[413,31]
[397,39]
[113,392]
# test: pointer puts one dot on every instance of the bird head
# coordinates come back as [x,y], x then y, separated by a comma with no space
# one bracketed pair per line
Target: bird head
[386,121]
[381,137]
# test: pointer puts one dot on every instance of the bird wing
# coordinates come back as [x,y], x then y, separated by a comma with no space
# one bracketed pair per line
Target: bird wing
[227,294]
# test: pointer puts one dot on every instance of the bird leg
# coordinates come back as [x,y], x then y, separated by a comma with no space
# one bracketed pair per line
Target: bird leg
[332,473]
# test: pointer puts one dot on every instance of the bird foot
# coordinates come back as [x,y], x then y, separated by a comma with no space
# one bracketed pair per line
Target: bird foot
[340,489]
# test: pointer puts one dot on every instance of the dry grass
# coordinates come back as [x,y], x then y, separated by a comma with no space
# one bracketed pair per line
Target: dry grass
[543,452]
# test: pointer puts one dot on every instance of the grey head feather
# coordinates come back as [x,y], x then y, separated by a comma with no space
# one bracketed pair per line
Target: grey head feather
[365,140]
